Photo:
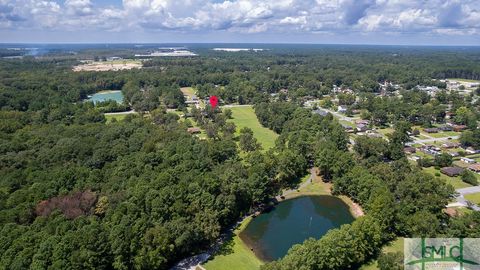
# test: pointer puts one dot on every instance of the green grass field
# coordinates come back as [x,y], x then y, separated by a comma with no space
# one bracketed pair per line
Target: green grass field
[235,254]
[118,117]
[444,134]
[188,91]
[245,117]
[474,197]
[456,182]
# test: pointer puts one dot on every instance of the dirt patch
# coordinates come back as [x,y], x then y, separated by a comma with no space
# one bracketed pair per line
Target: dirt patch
[107,66]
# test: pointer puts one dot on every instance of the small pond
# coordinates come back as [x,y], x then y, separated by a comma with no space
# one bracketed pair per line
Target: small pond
[293,221]
[107,95]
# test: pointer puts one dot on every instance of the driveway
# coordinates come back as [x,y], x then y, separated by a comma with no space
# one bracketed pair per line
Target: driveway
[461,201]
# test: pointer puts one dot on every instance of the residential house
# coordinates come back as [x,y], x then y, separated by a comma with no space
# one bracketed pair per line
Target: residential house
[363,122]
[342,109]
[347,128]
[431,130]
[468,160]
[194,130]
[414,158]
[362,128]
[430,150]
[451,171]
[459,128]
[409,150]
[446,128]
[471,150]
[320,112]
[475,168]
[450,145]
[454,154]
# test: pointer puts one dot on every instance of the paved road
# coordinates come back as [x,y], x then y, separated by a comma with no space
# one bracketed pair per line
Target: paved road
[339,115]
[304,184]
[469,190]
[442,139]
[461,201]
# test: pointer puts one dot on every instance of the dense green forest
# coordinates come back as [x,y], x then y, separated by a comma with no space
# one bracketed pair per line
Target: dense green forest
[142,193]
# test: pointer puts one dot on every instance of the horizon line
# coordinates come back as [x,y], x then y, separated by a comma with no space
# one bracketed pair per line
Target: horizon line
[230,43]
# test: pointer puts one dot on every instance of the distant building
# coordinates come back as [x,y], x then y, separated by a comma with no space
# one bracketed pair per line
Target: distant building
[459,128]
[471,150]
[362,128]
[320,112]
[194,130]
[454,154]
[347,128]
[431,130]
[474,168]
[410,150]
[451,171]
[468,160]
[342,109]
[363,122]
[446,128]
[450,145]
[414,158]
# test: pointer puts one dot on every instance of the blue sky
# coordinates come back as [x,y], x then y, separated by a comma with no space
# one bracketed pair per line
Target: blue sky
[405,22]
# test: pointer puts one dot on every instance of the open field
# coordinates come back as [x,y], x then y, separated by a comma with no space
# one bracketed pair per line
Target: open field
[462,80]
[235,254]
[245,117]
[444,134]
[456,182]
[474,197]
[108,65]
[188,91]
[394,246]
[117,116]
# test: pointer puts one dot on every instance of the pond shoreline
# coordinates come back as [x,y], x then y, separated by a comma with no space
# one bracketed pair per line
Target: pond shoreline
[271,234]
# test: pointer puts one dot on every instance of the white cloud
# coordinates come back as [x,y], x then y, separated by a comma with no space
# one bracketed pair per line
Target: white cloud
[247,16]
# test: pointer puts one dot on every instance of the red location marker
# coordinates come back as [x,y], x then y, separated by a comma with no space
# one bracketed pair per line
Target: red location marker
[213,101]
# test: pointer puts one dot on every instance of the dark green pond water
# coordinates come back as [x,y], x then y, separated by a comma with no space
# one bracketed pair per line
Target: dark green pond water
[293,221]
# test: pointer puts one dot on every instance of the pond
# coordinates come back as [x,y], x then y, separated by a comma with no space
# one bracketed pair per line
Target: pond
[107,95]
[272,234]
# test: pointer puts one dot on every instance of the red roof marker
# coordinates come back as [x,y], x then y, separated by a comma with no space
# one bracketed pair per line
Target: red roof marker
[213,101]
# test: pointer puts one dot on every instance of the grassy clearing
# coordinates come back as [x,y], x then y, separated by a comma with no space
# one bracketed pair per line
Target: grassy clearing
[235,254]
[422,137]
[474,197]
[394,246]
[245,117]
[117,117]
[456,182]
[188,91]
[444,134]
[385,131]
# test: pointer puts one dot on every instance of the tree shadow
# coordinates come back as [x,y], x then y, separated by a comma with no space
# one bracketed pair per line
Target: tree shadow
[227,247]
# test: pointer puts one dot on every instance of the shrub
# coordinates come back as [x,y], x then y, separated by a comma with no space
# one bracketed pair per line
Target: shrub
[469,177]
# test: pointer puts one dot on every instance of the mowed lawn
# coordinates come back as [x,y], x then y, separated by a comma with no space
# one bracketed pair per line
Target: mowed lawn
[235,254]
[245,117]
[456,182]
[117,117]
[474,197]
